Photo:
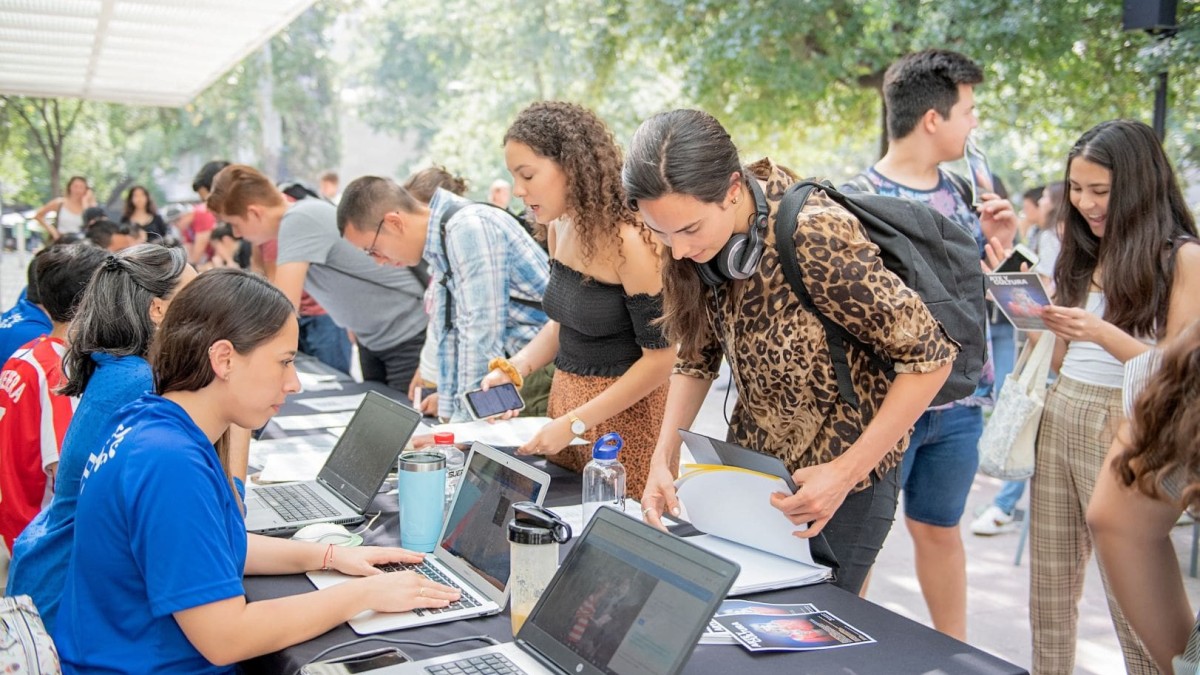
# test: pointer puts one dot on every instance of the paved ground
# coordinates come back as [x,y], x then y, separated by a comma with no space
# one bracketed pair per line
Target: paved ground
[998,595]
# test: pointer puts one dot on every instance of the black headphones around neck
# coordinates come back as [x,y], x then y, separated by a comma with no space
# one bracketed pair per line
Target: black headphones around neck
[738,258]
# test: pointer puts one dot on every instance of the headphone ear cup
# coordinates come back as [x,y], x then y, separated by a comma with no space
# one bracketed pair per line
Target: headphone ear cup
[732,258]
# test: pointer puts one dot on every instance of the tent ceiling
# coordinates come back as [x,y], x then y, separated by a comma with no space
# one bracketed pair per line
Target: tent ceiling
[140,52]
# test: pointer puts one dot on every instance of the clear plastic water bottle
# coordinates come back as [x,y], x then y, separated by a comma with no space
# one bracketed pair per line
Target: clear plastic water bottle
[604,477]
[443,443]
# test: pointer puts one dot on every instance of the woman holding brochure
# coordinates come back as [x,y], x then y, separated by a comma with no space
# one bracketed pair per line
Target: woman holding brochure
[160,548]
[714,215]
[1128,276]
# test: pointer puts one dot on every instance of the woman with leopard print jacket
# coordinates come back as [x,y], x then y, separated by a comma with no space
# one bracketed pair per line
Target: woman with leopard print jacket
[684,176]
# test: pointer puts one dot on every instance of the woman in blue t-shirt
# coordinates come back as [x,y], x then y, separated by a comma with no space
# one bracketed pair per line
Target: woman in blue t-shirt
[155,580]
[106,367]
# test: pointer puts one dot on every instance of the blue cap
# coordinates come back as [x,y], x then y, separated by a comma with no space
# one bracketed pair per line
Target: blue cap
[607,446]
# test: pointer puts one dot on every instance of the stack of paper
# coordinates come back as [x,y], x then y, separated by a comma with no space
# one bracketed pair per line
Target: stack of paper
[743,526]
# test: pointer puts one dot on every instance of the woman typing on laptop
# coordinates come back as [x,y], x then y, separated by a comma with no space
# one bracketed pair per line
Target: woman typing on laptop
[155,580]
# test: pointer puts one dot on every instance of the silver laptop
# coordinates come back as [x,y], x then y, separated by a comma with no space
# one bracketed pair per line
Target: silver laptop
[473,551]
[628,600]
[348,481]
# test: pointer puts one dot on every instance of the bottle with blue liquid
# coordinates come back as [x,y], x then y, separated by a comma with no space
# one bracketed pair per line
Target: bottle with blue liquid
[604,477]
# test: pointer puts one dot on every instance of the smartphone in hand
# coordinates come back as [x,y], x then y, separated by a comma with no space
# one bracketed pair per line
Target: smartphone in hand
[1020,256]
[495,401]
[980,173]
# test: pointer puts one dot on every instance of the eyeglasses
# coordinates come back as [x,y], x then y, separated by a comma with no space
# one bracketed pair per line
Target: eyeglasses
[374,252]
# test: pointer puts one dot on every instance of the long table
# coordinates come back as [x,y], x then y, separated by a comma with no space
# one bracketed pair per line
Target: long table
[902,645]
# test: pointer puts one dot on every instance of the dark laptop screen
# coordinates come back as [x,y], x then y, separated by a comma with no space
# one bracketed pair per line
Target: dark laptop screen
[477,530]
[368,448]
[629,601]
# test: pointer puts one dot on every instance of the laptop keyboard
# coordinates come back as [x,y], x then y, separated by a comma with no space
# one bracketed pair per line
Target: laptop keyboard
[484,664]
[295,503]
[434,574]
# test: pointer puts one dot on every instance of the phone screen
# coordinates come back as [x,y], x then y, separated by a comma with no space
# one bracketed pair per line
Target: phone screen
[494,401]
[980,172]
[390,658]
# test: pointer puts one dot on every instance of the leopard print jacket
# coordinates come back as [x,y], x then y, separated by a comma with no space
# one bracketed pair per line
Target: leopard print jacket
[788,403]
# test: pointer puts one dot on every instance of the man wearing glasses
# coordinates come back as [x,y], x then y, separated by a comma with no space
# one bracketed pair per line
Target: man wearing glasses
[380,305]
[488,274]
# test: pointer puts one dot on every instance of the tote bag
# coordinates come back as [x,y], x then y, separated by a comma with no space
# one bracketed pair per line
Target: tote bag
[24,645]
[1006,446]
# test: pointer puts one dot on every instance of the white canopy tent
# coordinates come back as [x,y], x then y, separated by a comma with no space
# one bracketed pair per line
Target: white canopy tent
[137,52]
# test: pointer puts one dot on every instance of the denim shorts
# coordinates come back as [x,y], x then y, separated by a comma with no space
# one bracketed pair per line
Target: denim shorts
[940,465]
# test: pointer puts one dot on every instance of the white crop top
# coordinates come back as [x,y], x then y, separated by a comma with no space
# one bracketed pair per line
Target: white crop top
[1088,362]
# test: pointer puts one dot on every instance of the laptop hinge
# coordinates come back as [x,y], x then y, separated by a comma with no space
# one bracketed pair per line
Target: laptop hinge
[538,656]
[325,484]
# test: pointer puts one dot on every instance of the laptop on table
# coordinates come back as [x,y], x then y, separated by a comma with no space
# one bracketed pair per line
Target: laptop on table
[628,600]
[473,551]
[359,462]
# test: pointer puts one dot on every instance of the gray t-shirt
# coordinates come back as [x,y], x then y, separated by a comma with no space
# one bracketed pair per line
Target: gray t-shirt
[382,305]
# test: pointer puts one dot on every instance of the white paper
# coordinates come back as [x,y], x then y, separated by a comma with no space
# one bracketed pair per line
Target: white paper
[261,451]
[314,421]
[318,382]
[293,466]
[760,571]
[333,403]
[505,433]
[743,513]
[573,515]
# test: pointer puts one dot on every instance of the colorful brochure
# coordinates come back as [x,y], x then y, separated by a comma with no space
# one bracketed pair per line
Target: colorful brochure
[792,632]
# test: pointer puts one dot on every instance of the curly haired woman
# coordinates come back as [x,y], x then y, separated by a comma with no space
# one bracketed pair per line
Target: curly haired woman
[604,294]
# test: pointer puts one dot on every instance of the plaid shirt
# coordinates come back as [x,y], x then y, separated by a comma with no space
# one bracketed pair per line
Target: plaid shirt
[492,260]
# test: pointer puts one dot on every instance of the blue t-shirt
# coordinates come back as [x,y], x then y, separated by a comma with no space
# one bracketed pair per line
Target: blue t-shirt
[20,325]
[947,200]
[157,531]
[42,552]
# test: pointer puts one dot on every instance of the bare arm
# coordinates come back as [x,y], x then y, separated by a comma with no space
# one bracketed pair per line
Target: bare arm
[289,278]
[684,400]
[823,488]
[199,246]
[233,630]
[1133,543]
[40,216]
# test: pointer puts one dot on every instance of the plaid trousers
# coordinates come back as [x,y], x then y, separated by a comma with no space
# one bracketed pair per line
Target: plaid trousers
[1077,429]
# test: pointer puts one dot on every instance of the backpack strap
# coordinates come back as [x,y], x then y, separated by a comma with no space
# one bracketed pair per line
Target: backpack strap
[836,336]
[451,209]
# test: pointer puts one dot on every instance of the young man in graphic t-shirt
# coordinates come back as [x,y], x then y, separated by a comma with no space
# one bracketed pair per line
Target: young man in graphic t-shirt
[930,113]
[33,417]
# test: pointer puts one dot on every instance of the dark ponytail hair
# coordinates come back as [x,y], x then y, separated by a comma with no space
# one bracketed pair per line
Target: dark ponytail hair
[681,152]
[113,316]
[221,304]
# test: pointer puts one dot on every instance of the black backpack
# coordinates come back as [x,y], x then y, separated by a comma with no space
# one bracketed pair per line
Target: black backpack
[932,255]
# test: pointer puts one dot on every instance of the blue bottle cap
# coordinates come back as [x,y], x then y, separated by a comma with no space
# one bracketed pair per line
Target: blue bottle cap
[607,446]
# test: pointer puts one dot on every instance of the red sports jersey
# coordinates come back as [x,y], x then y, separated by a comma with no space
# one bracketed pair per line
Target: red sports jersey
[33,422]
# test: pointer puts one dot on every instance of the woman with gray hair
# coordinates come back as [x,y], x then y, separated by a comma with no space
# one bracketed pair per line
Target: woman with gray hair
[106,367]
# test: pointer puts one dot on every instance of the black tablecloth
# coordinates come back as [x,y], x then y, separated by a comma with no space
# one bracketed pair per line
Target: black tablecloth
[902,646]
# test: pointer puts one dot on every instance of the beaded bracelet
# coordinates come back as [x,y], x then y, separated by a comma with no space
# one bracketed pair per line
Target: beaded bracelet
[503,365]
[327,560]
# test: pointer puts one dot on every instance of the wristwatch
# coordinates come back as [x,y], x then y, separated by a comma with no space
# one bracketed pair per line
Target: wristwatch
[577,426]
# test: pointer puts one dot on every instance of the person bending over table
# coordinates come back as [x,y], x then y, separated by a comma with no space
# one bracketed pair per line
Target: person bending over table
[155,579]
[684,175]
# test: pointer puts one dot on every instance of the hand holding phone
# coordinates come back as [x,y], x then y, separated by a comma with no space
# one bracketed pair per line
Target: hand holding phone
[1020,256]
[497,400]
[980,173]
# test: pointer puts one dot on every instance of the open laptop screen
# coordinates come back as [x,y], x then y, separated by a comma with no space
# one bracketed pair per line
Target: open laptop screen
[477,530]
[629,601]
[367,449]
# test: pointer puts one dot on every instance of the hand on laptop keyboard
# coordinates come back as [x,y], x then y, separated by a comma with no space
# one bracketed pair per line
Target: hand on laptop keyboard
[405,591]
[366,561]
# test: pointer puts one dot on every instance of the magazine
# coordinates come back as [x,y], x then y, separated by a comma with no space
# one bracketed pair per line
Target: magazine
[1021,296]
[792,632]
[716,634]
